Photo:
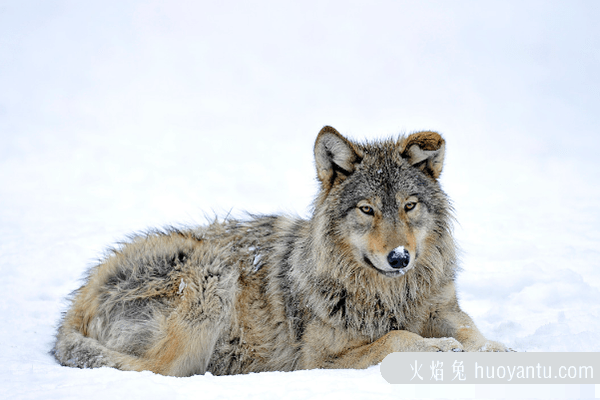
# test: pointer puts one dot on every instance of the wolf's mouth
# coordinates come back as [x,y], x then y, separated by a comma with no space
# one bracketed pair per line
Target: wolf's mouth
[398,272]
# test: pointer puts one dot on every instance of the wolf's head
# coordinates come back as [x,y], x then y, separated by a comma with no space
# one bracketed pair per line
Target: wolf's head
[381,202]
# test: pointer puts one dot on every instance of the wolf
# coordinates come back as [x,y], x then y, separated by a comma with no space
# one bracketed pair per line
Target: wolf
[370,273]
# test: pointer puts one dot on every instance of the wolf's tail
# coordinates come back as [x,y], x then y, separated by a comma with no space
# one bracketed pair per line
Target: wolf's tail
[73,349]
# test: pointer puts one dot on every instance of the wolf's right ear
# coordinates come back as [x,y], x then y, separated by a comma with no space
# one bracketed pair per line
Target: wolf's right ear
[335,156]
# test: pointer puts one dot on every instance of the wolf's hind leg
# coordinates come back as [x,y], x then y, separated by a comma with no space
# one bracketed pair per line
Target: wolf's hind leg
[181,347]
[184,349]
[187,336]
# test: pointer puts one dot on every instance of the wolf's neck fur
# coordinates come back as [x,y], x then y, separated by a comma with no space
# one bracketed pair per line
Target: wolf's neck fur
[352,295]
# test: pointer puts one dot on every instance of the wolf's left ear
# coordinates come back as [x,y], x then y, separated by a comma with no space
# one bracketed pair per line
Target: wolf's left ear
[424,150]
[335,156]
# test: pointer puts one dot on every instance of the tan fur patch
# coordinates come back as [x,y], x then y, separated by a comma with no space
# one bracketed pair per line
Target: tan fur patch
[426,140]
[167,350]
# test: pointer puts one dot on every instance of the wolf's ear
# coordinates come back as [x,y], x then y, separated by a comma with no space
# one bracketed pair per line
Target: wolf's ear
[335,156]
[424,150]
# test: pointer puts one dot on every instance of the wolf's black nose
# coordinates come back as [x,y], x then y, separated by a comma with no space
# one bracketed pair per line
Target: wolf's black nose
[399,257]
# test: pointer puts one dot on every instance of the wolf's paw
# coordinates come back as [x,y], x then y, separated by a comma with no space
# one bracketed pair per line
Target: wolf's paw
[441,344]
[491,346]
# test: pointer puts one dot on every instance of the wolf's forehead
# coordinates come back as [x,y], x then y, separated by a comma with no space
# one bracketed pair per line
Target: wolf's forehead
[391,173]
[386,179]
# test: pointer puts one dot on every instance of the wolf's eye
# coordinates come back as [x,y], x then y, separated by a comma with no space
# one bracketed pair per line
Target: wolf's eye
[367,210]
[410,206]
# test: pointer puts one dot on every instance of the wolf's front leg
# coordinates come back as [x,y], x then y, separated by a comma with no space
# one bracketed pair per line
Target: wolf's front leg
[461,327]
[448,320]
[331,348]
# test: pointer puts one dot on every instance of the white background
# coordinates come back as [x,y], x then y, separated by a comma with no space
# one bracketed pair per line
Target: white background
[118,116]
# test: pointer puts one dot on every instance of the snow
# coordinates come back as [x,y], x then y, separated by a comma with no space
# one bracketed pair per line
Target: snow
[120,116]
[398,251]
[256,261]
[182,285]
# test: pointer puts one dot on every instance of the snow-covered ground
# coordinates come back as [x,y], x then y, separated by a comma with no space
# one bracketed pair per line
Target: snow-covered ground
[118,116]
